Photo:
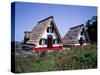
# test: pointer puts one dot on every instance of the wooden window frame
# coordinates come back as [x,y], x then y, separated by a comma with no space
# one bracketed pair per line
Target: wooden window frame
[43,41]
[50,29]
[56,41]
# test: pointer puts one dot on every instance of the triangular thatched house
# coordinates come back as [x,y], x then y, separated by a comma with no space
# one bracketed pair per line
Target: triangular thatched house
[76,36]
[45,36]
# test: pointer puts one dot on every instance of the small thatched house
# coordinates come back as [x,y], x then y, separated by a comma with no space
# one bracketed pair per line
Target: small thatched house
[76,36]
[45,36]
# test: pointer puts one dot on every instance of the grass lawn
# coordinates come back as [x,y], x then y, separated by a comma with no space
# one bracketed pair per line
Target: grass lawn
[85,58]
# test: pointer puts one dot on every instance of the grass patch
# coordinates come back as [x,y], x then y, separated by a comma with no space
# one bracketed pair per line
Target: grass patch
[85,58]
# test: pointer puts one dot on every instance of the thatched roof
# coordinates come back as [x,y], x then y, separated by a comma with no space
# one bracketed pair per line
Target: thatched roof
[72,36]
[39,29]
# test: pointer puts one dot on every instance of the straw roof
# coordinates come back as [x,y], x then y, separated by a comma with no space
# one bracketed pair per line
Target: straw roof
[37,32]
[72,36]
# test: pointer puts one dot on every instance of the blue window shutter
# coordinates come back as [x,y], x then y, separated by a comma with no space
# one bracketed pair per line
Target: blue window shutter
[40,41]
[81,33]
[58,41]
[53,41]
[48,29]
[45,41]
[51,29]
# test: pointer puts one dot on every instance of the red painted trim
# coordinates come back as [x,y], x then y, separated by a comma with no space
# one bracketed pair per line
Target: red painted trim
[77,46]
[57,48]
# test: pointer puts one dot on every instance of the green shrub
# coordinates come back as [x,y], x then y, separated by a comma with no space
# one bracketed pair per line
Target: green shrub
[68,60]
[43,53]
[55,53]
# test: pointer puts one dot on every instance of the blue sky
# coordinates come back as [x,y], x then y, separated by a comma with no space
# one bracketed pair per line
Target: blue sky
[65,16]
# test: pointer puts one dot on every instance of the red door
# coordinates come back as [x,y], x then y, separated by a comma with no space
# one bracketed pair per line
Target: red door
[50,41]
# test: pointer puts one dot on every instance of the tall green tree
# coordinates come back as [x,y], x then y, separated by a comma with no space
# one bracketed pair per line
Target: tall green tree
[92,29]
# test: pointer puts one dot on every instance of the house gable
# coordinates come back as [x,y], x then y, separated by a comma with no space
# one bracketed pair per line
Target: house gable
[74,34]
[40,30]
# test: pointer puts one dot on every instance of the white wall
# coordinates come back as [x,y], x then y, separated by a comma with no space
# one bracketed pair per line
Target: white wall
[81,36]
[45,36]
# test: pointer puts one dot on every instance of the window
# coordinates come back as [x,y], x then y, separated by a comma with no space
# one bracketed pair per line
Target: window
[81,41]
[56,41]
[81,33]
[25,39]
[50,29]
[43,41]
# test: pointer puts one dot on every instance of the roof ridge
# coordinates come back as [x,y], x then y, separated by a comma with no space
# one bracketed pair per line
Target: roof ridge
[45,19]
[77,26]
